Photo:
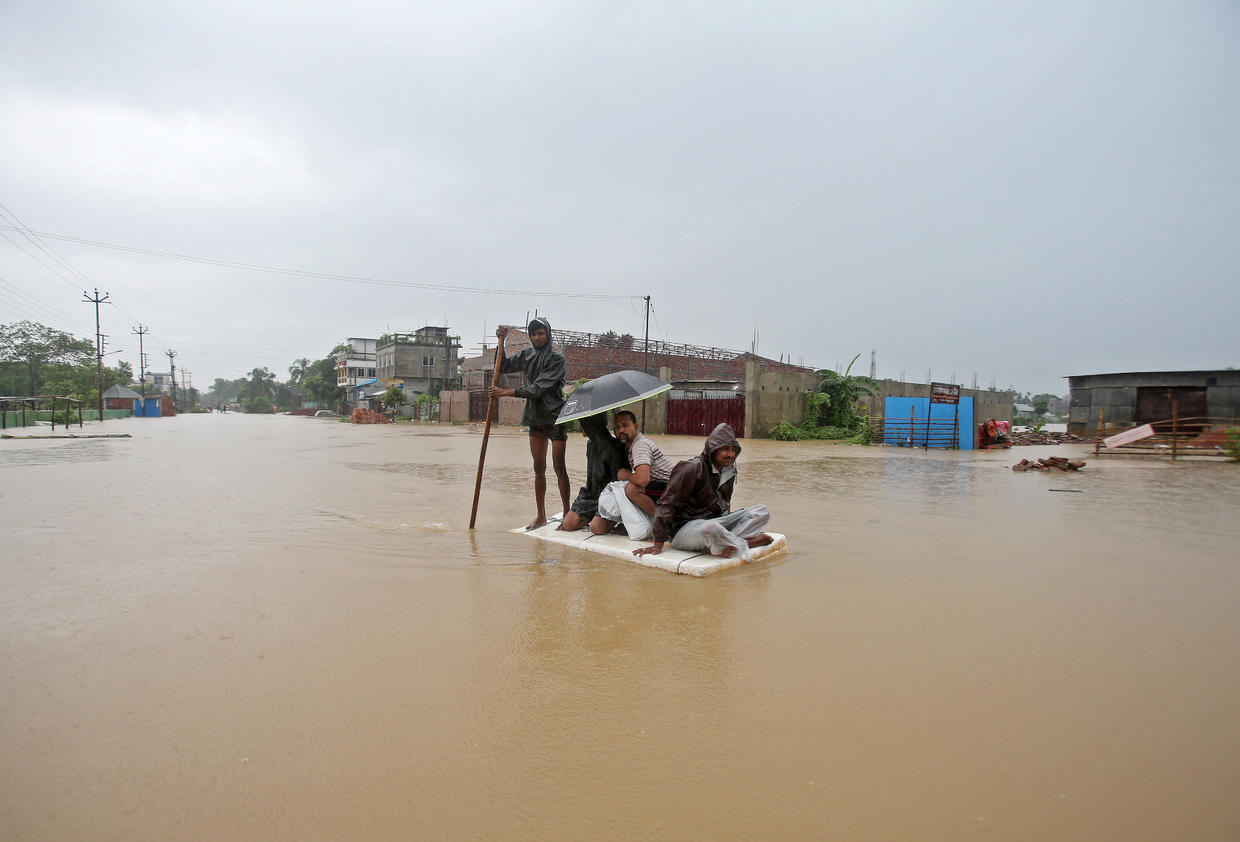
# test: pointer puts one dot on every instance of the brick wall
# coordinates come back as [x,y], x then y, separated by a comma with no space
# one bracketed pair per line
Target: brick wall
[453,407]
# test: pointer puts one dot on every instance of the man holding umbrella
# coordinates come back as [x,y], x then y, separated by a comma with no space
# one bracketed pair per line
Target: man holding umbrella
[543,366]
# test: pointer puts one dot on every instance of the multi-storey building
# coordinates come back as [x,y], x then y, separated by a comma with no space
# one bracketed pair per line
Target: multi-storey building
[159,381]
[422,362]
[357,364]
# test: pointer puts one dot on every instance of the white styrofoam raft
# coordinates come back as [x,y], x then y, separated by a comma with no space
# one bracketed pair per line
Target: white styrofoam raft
[671,560]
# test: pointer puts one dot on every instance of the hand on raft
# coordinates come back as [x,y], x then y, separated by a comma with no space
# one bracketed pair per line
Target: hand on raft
[655,550]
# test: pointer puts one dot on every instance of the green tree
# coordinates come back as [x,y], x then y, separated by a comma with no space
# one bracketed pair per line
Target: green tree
[842,392]
[393,397]
[320,383]
[261,384]
[29,348]
[284,395]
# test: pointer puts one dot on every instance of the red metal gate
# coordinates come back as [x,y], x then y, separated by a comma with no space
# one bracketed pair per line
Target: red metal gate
[698,416]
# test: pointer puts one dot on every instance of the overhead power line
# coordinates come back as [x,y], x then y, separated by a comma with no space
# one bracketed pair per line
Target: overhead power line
[25,231]
[41,305]
[328,276]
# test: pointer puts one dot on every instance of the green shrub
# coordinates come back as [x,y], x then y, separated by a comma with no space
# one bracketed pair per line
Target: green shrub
[787,431]
[1233,444]
[834,433]
[866,434]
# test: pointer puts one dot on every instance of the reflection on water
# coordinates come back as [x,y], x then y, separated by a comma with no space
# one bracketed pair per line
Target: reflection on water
[280,628]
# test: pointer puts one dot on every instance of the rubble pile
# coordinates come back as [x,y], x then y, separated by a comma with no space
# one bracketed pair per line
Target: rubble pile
[1030,438]
[1051,463]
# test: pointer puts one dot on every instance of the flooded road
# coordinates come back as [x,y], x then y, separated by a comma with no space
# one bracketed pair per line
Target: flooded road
[253,627]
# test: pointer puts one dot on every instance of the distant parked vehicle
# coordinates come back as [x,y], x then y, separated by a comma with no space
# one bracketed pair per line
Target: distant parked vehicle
[326,413]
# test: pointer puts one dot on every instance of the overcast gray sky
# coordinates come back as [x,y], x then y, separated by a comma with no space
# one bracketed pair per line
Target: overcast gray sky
[1024,190]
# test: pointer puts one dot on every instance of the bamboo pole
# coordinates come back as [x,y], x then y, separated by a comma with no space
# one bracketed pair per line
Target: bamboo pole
[486,434]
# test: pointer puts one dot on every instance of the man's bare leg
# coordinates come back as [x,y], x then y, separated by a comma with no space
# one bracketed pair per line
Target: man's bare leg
[756,541]
[571,523]
[561,470]
[600,525]
[638,496]
[538,450]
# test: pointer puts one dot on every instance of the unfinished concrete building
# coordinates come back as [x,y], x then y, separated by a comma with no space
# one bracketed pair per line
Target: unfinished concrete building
[1198,398]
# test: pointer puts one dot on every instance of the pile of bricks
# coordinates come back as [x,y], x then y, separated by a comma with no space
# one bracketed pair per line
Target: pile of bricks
[366,416]
[1051,463]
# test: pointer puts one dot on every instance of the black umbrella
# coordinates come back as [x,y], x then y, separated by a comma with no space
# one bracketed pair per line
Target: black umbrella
[608,392]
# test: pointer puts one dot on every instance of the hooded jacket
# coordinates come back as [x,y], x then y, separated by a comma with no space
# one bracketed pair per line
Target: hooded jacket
[692,491]
[605,456]
[543,389]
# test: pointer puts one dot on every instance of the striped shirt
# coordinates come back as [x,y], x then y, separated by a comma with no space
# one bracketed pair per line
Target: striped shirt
[644,452]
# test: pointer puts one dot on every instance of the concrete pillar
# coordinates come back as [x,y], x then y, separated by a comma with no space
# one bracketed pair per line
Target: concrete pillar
[753,390]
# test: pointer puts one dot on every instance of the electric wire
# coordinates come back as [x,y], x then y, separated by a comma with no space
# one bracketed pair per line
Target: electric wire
[328,276]
[40,303]
[48,250]
[39,260]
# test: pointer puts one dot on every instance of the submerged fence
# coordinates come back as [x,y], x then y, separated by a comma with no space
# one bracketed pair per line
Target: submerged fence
[32,410]
[1174,438]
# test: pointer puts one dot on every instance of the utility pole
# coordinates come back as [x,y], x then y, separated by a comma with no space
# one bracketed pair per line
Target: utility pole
[96,300]
[646,356]
[873,363]
[646,364]
[172,365]
[141,331]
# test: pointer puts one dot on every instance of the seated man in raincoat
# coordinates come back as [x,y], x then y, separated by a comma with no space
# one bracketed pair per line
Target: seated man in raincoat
[605,458]
[695,512]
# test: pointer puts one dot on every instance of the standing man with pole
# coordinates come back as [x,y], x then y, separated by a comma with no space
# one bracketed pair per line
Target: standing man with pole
[543,366]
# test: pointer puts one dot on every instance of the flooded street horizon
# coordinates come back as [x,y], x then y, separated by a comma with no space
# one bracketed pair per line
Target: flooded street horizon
[281,628]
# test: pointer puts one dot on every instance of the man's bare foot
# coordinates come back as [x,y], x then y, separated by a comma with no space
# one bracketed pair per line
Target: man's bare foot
[727,552]
[535,523]
[760,541]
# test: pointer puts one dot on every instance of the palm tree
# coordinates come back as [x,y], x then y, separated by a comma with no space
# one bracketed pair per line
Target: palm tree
[843,391]
[262,383]
[297,371]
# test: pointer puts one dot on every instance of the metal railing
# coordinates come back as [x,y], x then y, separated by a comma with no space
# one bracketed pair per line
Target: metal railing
[917,432]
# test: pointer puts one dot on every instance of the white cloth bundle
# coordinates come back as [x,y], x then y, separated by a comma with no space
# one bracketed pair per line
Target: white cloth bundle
[614,505]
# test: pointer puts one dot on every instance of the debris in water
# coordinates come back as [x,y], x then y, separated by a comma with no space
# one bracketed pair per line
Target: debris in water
[1052,463]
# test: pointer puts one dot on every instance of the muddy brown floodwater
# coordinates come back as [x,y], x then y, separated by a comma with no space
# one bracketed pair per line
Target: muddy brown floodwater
[252,627]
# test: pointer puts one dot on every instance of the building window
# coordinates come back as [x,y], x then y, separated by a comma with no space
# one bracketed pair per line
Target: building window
[428,360]
[372,373]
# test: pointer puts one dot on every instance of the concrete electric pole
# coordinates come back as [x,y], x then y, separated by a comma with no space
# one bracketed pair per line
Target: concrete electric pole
[172,365]
[141,331]
[96,300]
